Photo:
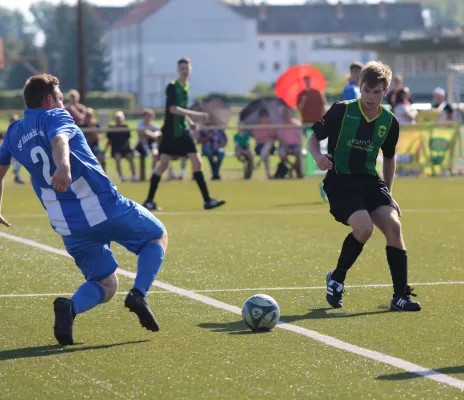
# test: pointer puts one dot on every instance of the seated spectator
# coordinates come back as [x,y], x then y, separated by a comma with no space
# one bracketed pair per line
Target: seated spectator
[16,165]
[290,141]
[75,108]
[213,143]
[403,111]
[149,135]
[242,151]
[265,139]
[92,137]
[440,104]
[120,146]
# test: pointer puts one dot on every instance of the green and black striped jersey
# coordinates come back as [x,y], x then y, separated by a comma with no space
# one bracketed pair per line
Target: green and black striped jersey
[355,140]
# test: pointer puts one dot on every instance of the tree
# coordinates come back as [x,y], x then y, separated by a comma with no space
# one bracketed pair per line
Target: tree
[59,24]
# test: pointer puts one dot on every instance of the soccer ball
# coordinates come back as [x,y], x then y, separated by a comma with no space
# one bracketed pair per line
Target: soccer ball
[260,313]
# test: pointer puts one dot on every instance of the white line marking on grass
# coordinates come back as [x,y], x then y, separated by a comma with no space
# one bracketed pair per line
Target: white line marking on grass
[68,294]
[328,340]
[260,212]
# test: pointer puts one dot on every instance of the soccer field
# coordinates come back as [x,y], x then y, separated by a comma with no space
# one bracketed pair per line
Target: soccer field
[273,237]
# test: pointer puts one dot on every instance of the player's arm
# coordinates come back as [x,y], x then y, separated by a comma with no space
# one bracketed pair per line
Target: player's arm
[171,97]
[61,179]
[321,131]
[388,150]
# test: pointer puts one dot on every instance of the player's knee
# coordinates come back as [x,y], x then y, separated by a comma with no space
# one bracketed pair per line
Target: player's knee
[163,240]
[394,228]
[362,229]
[196,162]
[110,286]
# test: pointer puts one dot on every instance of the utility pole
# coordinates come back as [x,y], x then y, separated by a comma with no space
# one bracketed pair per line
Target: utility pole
[80,51]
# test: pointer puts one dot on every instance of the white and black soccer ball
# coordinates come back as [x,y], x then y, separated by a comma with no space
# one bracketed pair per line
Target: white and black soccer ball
[261,313]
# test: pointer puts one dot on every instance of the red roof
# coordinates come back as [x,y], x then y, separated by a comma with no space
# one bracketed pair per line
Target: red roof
[139,13]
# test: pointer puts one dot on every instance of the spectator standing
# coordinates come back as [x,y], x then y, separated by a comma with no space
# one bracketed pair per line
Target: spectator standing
[352,90]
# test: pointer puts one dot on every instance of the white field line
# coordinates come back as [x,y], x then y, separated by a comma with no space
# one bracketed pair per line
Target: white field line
[258,212]
[239,289]
[328,340]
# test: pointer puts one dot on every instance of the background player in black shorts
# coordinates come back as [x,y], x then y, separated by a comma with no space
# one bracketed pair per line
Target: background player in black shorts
[357,130]
[120,145]
[177,139]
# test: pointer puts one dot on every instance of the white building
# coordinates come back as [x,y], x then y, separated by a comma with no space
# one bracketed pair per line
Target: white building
[145,49]
[233,47]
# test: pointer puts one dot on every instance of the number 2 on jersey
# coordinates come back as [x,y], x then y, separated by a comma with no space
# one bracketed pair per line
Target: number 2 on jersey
[45,160]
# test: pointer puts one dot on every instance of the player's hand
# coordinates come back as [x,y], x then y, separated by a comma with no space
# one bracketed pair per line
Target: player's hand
[193,126]
[324,162]
[204,117]
[61,179]
[3,221]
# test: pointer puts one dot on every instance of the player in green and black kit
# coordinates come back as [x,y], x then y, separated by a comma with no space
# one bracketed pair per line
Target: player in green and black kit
[177,139]
[357,130]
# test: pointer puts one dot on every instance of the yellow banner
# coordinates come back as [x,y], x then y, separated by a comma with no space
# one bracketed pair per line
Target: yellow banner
[426,149]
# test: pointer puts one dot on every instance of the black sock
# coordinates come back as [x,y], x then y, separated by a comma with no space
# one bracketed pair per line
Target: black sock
[154,181]
[351,250]
[398,263]
[200,179]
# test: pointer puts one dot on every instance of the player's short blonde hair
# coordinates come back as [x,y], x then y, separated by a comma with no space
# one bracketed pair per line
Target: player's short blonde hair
[375,73]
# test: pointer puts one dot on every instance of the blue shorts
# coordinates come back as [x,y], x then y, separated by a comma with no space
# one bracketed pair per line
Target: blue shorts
[259,148]
[132,230]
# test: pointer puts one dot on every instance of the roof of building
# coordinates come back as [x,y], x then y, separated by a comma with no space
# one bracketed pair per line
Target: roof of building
[301,19]
[139,12]
[109,15]
[326,18]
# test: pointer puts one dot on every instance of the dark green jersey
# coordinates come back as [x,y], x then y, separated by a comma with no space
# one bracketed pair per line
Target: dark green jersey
[355,140]
[176,95]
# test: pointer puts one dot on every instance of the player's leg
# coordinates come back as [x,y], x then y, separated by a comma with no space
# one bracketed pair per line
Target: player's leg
[97,263]
[348,208]
[163,164]
[197,166]
[387,220]
[140,232]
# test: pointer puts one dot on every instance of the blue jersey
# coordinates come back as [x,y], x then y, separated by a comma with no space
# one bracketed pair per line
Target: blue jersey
[91,198]
[351,92]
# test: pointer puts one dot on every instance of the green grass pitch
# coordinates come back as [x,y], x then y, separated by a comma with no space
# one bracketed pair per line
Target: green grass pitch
[274,237]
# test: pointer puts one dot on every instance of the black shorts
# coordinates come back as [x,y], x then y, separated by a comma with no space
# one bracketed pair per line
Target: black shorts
[177,145]
[348,194]
[124,151]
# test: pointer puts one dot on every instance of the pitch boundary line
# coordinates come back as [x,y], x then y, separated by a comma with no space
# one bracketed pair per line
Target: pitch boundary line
[261,212]
[325,339]
[268,289]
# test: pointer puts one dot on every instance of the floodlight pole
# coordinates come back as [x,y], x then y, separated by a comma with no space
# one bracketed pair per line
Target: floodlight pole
[80,51]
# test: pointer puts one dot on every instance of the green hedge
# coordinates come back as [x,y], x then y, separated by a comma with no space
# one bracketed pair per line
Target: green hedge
[13,100]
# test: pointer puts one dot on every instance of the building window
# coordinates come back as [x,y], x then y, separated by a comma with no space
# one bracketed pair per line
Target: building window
[261,45]
[292,45]
[262,67]
[408,67]
[276,66]
[292,60]
[276,44]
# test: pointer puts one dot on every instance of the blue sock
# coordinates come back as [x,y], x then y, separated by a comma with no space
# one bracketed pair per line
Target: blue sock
[87,296]
[148,265]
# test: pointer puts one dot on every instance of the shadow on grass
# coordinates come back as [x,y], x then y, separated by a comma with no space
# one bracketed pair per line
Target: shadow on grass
[322,313]
[313,203]
[44,351]
[239,327]
[402,376]
[232,328]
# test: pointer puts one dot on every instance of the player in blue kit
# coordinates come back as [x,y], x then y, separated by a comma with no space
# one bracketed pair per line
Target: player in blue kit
[83,206]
